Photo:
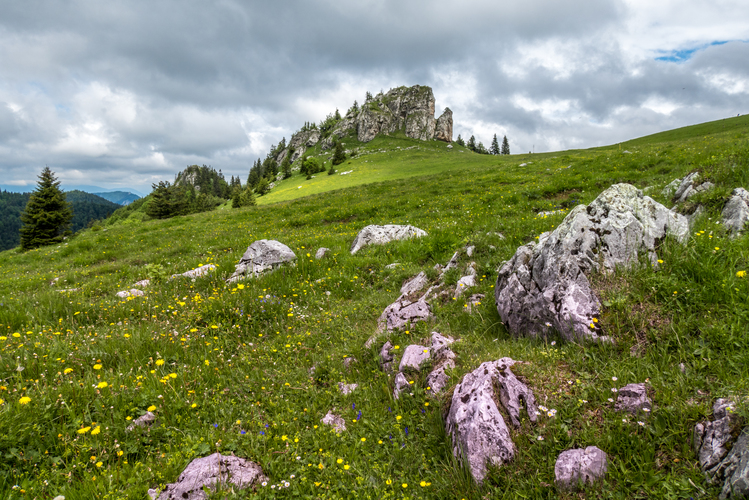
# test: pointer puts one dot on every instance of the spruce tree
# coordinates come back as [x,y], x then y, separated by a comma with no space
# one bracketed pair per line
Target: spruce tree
[495,146]
[471,144]
[460,142]
[505,146]
[47,215]
[339,156]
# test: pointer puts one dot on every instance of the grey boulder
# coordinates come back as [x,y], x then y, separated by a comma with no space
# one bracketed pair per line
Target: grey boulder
[145,420]
[401,384]
[544,285]
[335,421]
[197,272]
[444,359]
[736,212]
[413,357]
[633,398]
[386,357]
[210,472]
[262,256]
[321,253]
[579,466]
[690,186]
[379,235]
[478,430]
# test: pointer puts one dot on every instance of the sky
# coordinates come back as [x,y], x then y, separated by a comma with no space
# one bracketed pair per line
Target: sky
[124,94]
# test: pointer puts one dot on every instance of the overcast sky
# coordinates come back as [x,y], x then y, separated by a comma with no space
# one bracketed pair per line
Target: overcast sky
[124,94]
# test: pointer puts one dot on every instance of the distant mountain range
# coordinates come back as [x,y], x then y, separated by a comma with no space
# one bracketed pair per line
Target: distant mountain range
[121,196]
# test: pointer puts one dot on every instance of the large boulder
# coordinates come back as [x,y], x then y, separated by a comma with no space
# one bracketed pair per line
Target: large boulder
[210,471]
[736,212]
[545,286]
[578,466]
[379,235]
[262,256]
[475,423]
[443,130]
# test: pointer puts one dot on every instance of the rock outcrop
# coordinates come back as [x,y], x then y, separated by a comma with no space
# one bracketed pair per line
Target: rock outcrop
[689,186]
[545,286]
[443,129]
[210,471]
[736,212]
[579,466]
[712,442]
[479,433]
[379,235]
[262,256]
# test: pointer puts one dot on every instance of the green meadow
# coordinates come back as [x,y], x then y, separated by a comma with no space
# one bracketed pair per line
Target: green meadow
[227,367]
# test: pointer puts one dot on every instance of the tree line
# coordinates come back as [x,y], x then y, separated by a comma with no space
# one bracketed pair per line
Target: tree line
[494,149]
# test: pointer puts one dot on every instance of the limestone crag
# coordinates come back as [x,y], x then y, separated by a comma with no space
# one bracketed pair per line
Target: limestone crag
[209,471]
[443,129]
[475,423]
[544,286]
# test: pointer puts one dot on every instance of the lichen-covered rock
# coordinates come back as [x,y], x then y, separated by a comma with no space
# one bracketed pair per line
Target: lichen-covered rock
[401,384]
[262,256]
[210,471]
[145,420]
[379,235]
[633,398]
[736,212]
[444,359]
[579,466]
[402,312]
[347,362]
[478,431]
[443,130]
[545,286]
[386,357]
[336,421]
[413,357]
[321,252]
[466,282]
[712,440]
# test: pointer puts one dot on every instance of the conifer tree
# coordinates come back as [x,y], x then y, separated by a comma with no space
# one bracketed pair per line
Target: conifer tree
[471,144]
[460,142]
[339,156]
[495,146]
[505,146]
[47,215]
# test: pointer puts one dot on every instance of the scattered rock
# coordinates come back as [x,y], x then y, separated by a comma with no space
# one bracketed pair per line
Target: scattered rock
[262,256]
[142,283]
[690,186]
[386,357]
[379,235]
[451,264]
[393,265]
[321,252]
[633,398]
[133,292]
[670,189]
[209,471]
[402,312]
[467,281]
[401,384]
[498,235]
[145,420]
[347,362]
[578,466]
[735,469]
[473,301]
[449,146]
[545,286]
[478,431]
[712,440]
[415,284]
[54,282]
[736,212]
[337,422]
[413,357]
[549,213]
[470,250]
[444,359]
[347,388]
[197,272]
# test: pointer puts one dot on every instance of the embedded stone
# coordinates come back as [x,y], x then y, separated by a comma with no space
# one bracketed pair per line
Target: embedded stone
[735,214]
[145,420]
[336,421]
[321,253]
[401,384]
[379,235]
[210,471]
[579,466]
[347,388]
[633,398]
[262,256]
[413,357]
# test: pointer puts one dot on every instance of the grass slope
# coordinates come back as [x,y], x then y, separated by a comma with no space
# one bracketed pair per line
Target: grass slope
[227,368]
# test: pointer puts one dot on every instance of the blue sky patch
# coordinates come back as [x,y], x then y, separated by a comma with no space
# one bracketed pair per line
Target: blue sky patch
[683,55]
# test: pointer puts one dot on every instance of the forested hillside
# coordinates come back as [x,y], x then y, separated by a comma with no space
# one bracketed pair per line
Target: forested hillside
[86,207]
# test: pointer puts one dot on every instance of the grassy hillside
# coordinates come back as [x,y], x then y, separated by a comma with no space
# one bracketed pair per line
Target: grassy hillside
[227,367]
